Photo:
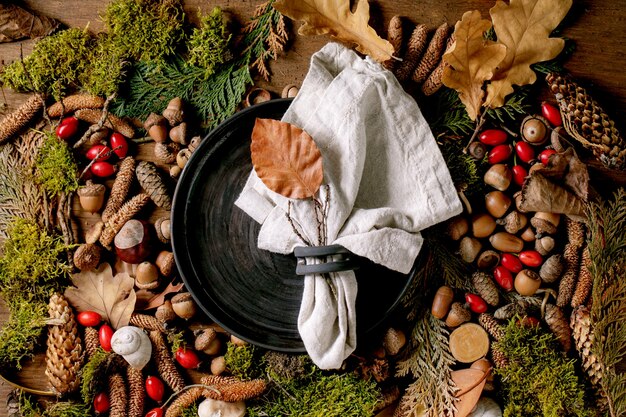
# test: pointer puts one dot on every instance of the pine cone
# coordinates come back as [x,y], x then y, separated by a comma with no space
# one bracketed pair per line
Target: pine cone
[117,395]
[64,355]
[489,323]
[585,280]
[184,400]
[583,336]
[575,233]
[151,181]
[121,186]
[435,80]
[498,358]
[146,321]
[509,311]
[92,341]
[559,325]
[567,285]
[137,392]
[486,288]
[17,120]
[166,152]
[75,102]
[414,50]
[395,36]
[93,116]
[433,53]
[231,389]
[587,122]
[165,364]
[127,212]
[377,369]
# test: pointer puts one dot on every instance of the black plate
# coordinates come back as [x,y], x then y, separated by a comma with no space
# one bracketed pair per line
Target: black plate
[252,293]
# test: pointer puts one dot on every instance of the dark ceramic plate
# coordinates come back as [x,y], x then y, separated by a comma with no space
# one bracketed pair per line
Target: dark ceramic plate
[252,293]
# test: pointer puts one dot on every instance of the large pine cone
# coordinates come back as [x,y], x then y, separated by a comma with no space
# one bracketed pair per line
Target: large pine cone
[152,182]
[559,325]
[583,336]
[486,288]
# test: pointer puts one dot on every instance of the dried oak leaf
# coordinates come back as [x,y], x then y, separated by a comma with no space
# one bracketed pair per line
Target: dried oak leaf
[286,159]
[111,296]
[18,23]
[524,26]
[147,300]
[335,18]
[471,61]
[470,383]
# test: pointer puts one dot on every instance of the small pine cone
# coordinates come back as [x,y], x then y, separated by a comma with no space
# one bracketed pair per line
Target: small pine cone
[435,80]
[231,389]
[93,116]
[118,396]
[92,341]
[184,400]
[17,120]
[152,182]
[559,325]
[121,186]
[64,355]
[489,323]
[136,392]
[585,280]
[486,288]
[580,323]
[146,321]
[433,54]
[498,358]
[127,212]
[165,364]
[376,369]
[414,50]
[395,36]
[575,233]
[75,102]
[567,285]
[509,311]
[166,152]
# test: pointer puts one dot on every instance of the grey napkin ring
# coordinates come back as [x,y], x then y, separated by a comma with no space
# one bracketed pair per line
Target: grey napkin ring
[346,262]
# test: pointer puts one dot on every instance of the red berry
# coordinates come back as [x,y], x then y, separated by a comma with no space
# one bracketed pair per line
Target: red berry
[89,318]
[102,169]
[476,303]
[503,277]
[525,151]
[67,128]
[551,113]
[105,334]
[511,262]
[544,157]
[155,388]
[155,412]
[519,174]
[101,402]
[528,321]
[103,151]
[187,358]
[499,154]
[493,137]
[531,258]
[119,144]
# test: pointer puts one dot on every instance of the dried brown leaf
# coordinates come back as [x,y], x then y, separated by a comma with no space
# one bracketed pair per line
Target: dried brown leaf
[18,23]
[147,300]
[471,61]
[334,17]
[286,159]
[470,383]
[524,26]
[111,296]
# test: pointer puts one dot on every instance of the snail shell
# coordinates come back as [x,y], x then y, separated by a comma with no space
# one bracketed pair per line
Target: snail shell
[133,345]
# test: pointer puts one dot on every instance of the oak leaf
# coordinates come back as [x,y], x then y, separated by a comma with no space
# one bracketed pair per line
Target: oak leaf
[470,383]
[113,297]
[335,18]
[286,159]
[472,60]
[524,26]
[147,300]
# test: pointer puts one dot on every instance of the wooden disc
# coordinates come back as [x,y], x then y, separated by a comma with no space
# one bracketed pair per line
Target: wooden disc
[469,342]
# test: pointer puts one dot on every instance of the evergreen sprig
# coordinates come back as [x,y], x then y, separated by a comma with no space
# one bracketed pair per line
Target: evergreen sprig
[516,105]
[452,117]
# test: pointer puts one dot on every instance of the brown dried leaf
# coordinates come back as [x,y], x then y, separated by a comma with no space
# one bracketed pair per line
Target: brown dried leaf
[334,17]
[470,383]
[17,23]
[111,296]
[471,61]
[524,26]
[286,159]
[565,168]
[147,300]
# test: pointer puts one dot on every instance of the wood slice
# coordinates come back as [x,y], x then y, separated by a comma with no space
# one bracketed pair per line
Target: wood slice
[469,342]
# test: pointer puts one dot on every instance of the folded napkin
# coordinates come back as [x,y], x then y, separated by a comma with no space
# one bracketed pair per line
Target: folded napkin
[386,178]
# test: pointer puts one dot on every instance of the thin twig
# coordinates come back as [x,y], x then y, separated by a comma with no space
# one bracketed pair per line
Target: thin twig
[97,158]
[479,125]
[94,128]
[293,226]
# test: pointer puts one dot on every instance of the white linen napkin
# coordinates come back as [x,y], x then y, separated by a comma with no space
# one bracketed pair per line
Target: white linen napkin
[387,181]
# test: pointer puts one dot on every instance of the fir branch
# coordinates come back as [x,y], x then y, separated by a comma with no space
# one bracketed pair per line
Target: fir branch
[515,106]
[452,117]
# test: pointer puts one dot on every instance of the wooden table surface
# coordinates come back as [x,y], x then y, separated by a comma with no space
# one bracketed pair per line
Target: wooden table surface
[597,27]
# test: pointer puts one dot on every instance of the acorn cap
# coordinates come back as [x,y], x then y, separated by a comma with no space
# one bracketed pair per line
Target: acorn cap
[166,263]
[162,227]
[174,112]
[87,256]
[204,338]
[154,119]
[165,312]
[179,133]
[393,341]
[91,190]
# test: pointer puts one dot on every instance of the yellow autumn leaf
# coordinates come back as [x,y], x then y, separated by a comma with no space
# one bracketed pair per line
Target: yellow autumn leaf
[472,61]
[524,26]
[333,17]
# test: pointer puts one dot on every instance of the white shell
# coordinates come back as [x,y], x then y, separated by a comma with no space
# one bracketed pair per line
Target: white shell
[486,407]
[133,344]
[215,408]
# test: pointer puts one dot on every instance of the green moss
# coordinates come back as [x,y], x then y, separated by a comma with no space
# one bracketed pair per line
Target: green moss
[56,170]
[107,67]
[22,332]
[539,380]
[176,339]
[53,67]
[285,368]
[245,362]
[30,408]
[191,411]
[208,44]
[91,376]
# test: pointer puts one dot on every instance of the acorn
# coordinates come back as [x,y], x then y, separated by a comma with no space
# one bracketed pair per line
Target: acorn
[162,227]
[166,263]
[290,90]
[441,302]
[497,203]
[204,338]
[91,196]
[517,197]
[499,176]
[477,150]
[506,242]
[87,256]
[528,235]
[165,312]
[483,225]
[469,248]
[175,171]
[218,365]
[194,143]
[214,348]
[513,222]
[174,112]
[534,130]
[156,126]
[457,227]
[184,306]
[458,315]
[178,133]
[182,157]
[488,259]
[146,276]
[256,96]
[544,245]
[237,341]
[527,282]
[393,341]
[545,223]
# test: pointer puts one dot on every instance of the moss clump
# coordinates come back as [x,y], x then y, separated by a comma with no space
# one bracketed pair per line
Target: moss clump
[107,68]
[208,44]
[283,368]
[244,362]
[92,374]
[191,411]
[55,167]
[30,408]
[22,332]
[539,380]
[176,340]
[54,65]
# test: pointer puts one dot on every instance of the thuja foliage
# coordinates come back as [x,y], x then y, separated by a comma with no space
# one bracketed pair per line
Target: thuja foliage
[245,362]
[467,173]
[539,380]
[56,169]
[191,411]
[91,376]
[30,408]
[208,44]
